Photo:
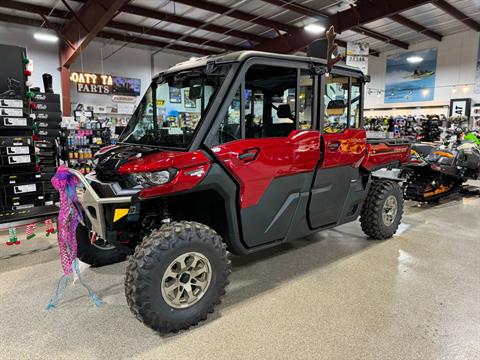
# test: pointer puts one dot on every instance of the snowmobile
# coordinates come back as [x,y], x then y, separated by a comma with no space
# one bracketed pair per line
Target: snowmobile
[436,171]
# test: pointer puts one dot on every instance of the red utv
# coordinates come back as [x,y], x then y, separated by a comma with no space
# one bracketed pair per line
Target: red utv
[234,153]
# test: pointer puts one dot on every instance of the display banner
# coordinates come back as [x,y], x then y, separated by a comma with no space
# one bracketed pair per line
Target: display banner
[105,84]
[357,55]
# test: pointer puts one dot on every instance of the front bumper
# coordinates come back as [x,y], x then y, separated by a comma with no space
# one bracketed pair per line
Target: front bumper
[94,206]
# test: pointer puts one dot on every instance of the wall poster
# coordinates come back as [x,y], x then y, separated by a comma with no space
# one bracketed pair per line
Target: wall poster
[411,76]
[357,55]
[175,95]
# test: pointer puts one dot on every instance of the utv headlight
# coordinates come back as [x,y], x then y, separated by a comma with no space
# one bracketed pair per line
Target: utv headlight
[154,178]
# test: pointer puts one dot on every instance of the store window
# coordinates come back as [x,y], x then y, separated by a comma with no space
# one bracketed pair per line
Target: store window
[335,103]
[356,97]
[305,98]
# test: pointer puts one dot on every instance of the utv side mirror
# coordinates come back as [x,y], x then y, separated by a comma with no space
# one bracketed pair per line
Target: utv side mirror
[195,92]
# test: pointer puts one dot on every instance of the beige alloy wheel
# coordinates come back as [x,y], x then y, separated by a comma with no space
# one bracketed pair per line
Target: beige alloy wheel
[186,280]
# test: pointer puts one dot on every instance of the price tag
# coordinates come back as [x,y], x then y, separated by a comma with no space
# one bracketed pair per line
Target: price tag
[13,150]
[11,112]
[19,159]
[21,189]
[15,122]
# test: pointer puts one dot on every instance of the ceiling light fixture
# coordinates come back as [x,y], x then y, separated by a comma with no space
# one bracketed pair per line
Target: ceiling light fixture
[45,37]
[314,28]
[414,59]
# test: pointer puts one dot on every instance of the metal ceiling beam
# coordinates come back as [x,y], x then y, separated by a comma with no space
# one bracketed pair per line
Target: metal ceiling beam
[46,11]
[457,14]
[93,15]
[153,43]
[182,20]
[106,35]
[172,35]
[35,9]
[296,41]
[367,11]
[385,38]
[236,14]
[299,9]
[402,20]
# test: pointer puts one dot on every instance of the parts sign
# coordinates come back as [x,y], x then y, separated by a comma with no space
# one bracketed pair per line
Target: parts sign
[92,83]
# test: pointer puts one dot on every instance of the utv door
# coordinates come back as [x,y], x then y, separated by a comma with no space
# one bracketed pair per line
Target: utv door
[338,189]
[266,144]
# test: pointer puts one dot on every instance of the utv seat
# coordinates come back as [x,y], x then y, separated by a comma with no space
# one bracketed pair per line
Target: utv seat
[284,128]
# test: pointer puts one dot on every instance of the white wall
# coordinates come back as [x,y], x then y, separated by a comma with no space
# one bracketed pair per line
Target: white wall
[44,55]
[456,65]
[128,62]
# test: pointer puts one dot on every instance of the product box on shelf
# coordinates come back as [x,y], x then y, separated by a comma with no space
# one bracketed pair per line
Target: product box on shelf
[46,124]
[22,178]
[46,153]
[45,115]
[47,132]
[24,201]
[27,188]
[15,123]
[12,103]
[17,150]
[46,170]
[47,107]
[18,160]
[47,161]
[15,140]
[46,97]
[46,144]
[13,112]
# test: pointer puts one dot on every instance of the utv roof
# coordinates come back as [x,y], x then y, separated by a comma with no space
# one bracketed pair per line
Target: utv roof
[240,56]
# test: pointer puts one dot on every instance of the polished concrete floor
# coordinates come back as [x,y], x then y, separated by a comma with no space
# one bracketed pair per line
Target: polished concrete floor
[335,295]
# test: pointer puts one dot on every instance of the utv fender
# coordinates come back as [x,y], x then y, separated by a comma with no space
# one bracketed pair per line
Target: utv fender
[219,181]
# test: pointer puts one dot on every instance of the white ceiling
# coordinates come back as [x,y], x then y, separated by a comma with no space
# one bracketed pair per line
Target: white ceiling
[427,15]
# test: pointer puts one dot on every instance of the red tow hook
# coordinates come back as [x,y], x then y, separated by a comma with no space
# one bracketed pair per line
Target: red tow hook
[93,239]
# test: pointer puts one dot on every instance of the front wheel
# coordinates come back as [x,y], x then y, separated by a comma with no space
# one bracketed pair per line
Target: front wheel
[383,209]
[98,254]
[176,276]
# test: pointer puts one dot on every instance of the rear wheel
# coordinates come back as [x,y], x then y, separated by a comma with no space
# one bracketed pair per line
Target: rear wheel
[383,209]
[100,253]
[176,276]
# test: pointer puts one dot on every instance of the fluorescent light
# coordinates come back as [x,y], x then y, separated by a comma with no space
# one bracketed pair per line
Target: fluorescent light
[45,37]
[414,59]
[314,28]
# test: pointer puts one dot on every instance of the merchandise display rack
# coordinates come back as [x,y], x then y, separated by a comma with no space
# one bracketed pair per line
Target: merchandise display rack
[29,129]
[82,138]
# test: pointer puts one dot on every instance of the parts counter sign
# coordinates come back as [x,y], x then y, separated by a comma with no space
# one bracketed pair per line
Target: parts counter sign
[105,84]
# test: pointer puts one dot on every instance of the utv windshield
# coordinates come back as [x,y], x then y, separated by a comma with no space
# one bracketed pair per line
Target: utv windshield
[173,107]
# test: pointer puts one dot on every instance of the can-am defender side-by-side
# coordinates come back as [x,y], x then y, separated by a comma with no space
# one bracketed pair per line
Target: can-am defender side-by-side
[237,153]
